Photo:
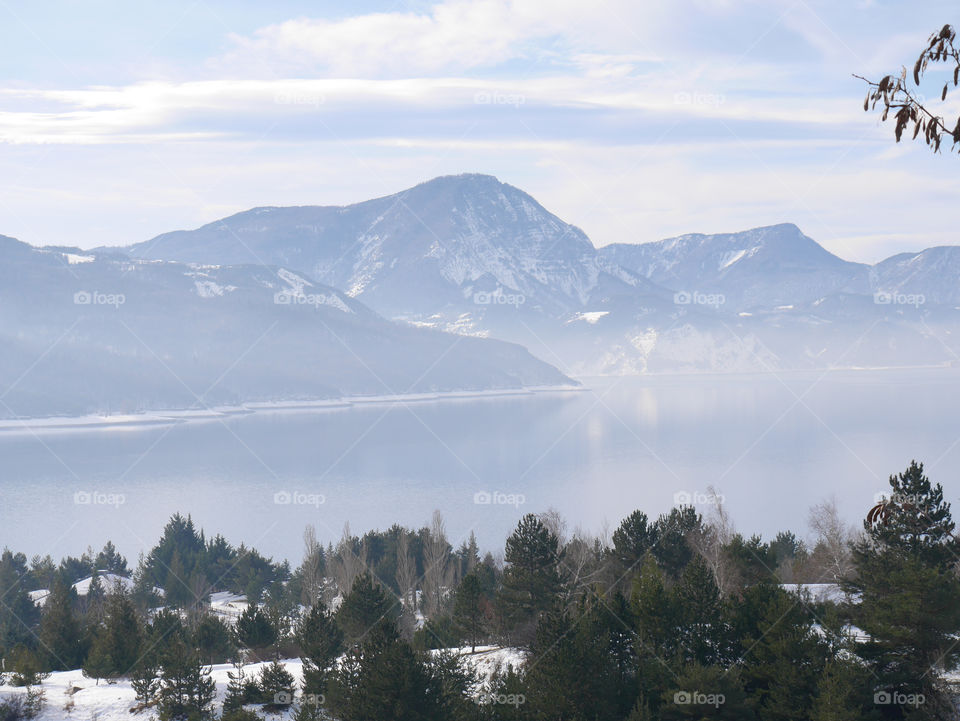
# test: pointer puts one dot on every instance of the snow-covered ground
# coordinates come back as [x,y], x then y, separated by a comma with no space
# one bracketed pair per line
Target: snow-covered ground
[70,695]
[108,581]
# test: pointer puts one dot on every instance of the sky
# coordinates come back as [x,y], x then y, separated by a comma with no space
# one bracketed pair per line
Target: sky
[635,120]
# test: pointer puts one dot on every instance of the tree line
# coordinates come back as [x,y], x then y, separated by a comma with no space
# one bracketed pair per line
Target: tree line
[677,617]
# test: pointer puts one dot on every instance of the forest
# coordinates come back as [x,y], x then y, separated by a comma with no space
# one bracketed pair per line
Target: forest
[677,617]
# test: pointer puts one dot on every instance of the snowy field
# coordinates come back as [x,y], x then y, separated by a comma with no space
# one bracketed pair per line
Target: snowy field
[70,695]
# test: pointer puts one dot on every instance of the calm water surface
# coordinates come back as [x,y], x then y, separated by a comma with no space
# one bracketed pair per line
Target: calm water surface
[772,446]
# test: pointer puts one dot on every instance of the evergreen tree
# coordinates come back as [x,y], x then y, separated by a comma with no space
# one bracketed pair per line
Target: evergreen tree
[470,609]
[365,605]
[706,692]
[25,666]
[320,640]
[785,657]
[60,634]
[19,615]
[656,642]
[582,665]
[186,689]
[702,631]
[145,679]
[531,582]
[844,693]
[213,640]
[275,686]
[236,695]
[98,663]
[909,596]
[382,679]
[254,630]
[122,634]
[631,541]
[110,561]
[671,532]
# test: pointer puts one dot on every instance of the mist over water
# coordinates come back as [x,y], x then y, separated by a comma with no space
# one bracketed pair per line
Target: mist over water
[771,445]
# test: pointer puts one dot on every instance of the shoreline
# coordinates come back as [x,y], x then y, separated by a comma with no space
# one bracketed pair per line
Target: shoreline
[161,418]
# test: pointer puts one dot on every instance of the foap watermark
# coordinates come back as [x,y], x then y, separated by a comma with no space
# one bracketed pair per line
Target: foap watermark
[287,698]
[698,698]
[898,499]
[898,698]
[885,298]
[695,297]
[297,498]
[696,498]
[497,98]
[706,100]
[497,498]
[95,297]
[98,498]
[499,297]
[311,100]
[503,699]
[311,299]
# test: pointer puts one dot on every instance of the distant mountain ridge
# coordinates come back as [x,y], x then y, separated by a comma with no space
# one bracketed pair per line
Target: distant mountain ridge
[474,256]
[89,332]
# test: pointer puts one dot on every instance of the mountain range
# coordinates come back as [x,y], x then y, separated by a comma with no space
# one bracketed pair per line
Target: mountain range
[474,256]
[460,283]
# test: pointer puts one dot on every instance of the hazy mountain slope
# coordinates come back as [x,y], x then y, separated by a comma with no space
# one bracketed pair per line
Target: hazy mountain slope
[758,268]
[476,256]
[933,273]
[84,333]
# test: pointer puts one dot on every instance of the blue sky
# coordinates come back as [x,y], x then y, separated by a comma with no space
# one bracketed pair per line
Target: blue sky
[635,120]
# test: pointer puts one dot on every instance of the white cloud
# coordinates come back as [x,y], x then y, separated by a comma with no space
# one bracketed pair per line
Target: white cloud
[456,34]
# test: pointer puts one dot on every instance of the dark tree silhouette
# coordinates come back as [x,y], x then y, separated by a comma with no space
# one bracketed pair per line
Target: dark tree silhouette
[908,107]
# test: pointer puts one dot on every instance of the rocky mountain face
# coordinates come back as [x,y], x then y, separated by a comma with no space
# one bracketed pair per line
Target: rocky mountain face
[475,256]
[88,332]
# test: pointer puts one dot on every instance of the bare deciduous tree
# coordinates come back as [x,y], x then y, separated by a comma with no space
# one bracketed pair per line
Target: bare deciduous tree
[712,543]
[312,568]
[909,106]
[346,564]
[830,560]
[406,571]
[439,573]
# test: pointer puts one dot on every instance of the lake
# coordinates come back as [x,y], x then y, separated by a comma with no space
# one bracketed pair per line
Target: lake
[771,445]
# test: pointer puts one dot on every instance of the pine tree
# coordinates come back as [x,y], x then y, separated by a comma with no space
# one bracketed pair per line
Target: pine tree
[469,611]
[18,613]
[275,685]
[784,657]
[320,640]
[122,633]
[25,666]
[656,642]
[531,582]
[844,693]
[702,630]
[384,679]
[671,531]
[236,694]
[909,595]
[706,692]
[145,679]
[60,634]
[254,630]
[213,639]
[186,689]
[110,561]
[365,605]
[98,663]
[631,541]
